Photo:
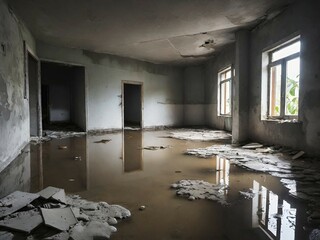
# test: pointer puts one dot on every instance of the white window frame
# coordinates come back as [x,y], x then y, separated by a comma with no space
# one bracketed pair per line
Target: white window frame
[220,82]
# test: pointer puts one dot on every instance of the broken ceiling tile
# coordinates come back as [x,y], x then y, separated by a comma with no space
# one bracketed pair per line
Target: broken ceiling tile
[48,192]
[22,221]
[79,215]
[6,235]
[15,201]
[91,230]
[59,218]
[60,196]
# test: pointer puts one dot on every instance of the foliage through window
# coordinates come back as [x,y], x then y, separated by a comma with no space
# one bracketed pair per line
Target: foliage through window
[283,84]
[225,88]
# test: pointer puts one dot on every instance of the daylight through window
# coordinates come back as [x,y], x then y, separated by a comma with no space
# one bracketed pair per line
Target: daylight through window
[225,81]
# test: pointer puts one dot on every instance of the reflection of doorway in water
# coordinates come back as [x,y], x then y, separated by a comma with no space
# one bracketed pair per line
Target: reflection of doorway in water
[132,151]
[274,216]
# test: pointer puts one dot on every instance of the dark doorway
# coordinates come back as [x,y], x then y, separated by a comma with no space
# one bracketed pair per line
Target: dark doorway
[132,109]
[34,107]
[63,97]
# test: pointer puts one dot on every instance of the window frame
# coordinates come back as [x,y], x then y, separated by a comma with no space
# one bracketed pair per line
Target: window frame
[283,63]
[220,82]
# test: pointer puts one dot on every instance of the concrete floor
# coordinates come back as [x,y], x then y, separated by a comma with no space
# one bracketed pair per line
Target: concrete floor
[120,172]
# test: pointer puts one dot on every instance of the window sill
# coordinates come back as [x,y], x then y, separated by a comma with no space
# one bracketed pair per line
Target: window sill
[282,121]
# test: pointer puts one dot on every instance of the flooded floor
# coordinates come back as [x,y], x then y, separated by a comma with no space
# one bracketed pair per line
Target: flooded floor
[120,172]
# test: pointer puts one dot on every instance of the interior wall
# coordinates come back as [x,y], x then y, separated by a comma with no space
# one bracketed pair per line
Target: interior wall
[303,17]
[33,95]
[132,103]
[104,75]
[14,108]
[223,60]
[194,107]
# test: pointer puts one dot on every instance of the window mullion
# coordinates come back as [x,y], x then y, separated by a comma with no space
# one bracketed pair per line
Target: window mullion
[283,88]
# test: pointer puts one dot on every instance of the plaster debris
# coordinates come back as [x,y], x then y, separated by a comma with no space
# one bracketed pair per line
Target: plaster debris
[22,221]
[199,135]
[76,219]
[15,201]
[141,208]
[103,141]
[92,230]
[59,218]
[248,194]
[49,135]
[298,155]
[153,148]
[6,235]
[252,146]
[199,189]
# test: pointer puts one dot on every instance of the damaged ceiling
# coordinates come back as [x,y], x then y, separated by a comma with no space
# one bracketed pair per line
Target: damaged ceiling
[164,32]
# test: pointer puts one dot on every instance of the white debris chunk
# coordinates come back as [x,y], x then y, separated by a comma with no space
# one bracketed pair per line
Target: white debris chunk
[91,230]
[299,154]
[252,146]
[22,221]
[199,189]
[199,135]
[15,201]
[248,194]
[59,236]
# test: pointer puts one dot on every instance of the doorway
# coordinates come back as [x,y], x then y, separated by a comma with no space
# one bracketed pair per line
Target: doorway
[63,97]
[132,104]
[34,95]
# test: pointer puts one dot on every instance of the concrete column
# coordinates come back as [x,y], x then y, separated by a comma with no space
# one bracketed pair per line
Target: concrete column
[240,91]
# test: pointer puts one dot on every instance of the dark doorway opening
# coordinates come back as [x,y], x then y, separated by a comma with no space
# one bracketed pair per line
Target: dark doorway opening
[132,109]
[34,107]
[63,97]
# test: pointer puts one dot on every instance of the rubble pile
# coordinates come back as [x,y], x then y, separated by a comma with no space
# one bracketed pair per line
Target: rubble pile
[198,189]
[67,216]
[199,135]
[49,135]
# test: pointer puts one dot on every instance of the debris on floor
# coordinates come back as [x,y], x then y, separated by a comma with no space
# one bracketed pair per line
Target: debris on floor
[199,189]
[49,135]
[199,134]
[103,141]
[252,146]
[153,148]
[248,194]
[141,208]
[62,147]
[74,217]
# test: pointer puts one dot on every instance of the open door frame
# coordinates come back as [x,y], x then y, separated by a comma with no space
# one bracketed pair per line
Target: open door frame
[28,51]
[122,100]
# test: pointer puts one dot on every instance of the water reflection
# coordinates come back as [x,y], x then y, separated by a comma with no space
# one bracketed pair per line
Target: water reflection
[273,215]
[132,151]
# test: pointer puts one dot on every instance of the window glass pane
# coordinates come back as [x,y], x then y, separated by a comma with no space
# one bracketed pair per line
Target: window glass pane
[275,90]
[222,98]
[222,76]
[228,74]
[225,98]
[292,87]
[228,98]
[286,51]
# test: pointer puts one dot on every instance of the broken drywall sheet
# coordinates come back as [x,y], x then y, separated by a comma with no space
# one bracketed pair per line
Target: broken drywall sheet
[15,201]
[59,218]
[57,194]
[199,189]
[22,221]
[6,235]
[199,135]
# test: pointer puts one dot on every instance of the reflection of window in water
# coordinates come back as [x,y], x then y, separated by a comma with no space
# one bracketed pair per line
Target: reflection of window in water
[272,215]
[222,173]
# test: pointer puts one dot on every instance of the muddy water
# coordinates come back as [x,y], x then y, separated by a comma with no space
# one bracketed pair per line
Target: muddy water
[120,172]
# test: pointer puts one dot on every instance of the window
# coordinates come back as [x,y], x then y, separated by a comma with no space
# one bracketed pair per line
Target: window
[225,88]
[283,81]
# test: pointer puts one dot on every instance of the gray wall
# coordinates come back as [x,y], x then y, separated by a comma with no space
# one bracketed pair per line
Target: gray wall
[14,109]
[224,59]
[163,95]
[194,108]
[33,95]
[304,18]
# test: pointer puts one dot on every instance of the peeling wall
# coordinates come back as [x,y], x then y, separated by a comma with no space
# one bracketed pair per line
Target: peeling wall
[194,108]
[225,59]
[162,87]
[303,17]
[14,109]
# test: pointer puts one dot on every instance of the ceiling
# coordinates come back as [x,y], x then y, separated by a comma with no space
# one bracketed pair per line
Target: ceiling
[158,31]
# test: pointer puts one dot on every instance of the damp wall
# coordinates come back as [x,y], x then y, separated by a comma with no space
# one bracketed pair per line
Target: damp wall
[301,19]
[223,59]
[14,107]
[162,87]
